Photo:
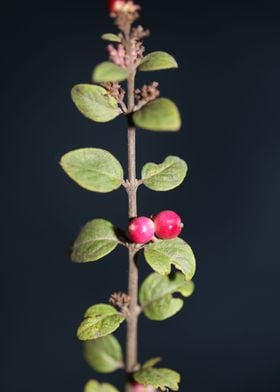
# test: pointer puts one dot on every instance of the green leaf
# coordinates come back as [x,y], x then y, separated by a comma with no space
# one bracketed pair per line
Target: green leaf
[96,240]
[159,115]
[111,37]
[100,320]
[104,355]
[151,362]
[164,176]
[158,378]
[93,169]
[156,295]
[109,72]
[94,386]
[161,254]
[95,103]
[156,61]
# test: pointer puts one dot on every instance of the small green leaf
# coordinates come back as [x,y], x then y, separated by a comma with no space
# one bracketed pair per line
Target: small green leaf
[95,103]
[159,115]
[94,386]
[111,37]
[151,362]
[156,295]
[100,320]
[161,254]
[156,61]
[104,355]
[164,176]
[93,169]
[158,378]
[96,240]
[109,72]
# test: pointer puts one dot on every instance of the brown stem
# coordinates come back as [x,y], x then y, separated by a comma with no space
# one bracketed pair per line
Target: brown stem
[132,319]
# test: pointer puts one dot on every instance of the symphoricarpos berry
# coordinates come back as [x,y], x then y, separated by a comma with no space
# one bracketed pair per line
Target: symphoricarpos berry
[115,5]
[168,224]
[141,230]
[142,388]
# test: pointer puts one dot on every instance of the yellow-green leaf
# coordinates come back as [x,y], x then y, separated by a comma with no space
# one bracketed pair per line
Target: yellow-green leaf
[93,169]
[151,362]
[156,295]
[164,176]
[104,355]
[96,240]
[95,386]
[109,72]
[159,115]
[100,320]
[156,61]
[158,378]
[95,103]
[111,37]
[161,254]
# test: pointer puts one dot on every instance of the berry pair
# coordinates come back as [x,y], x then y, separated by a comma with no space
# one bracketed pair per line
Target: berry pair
[165,225]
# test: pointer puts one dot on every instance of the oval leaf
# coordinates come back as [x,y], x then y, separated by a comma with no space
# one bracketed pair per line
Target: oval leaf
[94,386]
[109,72]
[95,103]
[156,61]
[104,355]
[161,254]
[96,240]
[164,176]
[158,378]
[93,169]
[100,320]
[111,37]
[156,295]
[159,115]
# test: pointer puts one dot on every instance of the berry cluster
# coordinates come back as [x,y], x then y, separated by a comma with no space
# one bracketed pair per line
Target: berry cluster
[165,225]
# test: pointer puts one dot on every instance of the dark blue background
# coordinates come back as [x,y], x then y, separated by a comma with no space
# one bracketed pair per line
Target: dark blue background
[227,87]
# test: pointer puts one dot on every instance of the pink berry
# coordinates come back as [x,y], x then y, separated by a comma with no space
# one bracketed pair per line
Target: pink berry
[168,224]
[141,230]
[142,388]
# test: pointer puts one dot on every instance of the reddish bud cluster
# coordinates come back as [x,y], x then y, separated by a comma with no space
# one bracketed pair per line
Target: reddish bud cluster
[165,225]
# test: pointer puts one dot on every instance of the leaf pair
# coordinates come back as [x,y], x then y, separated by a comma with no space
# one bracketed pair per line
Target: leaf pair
[95,103]
[98,170]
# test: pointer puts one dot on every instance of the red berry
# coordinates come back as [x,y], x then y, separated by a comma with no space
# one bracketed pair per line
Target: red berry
[168,224]
[115,5]
[141,230]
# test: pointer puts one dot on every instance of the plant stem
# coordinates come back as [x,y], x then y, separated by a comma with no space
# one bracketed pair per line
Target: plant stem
[132,319]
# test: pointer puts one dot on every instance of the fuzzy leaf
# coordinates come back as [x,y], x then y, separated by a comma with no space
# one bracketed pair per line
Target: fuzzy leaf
[156,295]
[93,169]
[100,320]
[161,254]
[158,378]
[156,61]
[96,240]
[109,72]
[151,362]
[94,386]
[95,103]
[159,115]
[104,355]
[111,37]
[164,176]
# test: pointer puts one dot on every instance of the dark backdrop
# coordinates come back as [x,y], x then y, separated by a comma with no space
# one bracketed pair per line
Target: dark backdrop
[227,87]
